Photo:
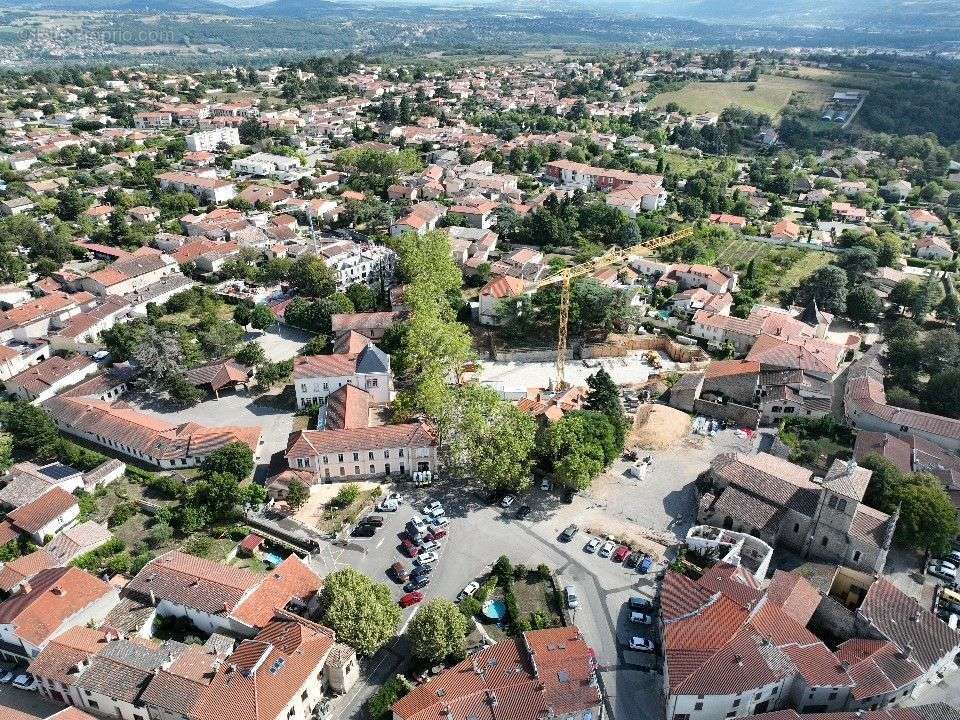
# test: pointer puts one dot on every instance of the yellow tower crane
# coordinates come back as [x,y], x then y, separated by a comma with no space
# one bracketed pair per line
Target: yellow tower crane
[612,256]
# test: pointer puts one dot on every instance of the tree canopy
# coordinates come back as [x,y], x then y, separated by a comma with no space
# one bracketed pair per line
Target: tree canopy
[361,612]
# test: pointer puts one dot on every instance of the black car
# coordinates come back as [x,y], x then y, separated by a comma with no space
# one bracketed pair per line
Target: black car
[523,511]
[363,530]
[416,582]
[374,520]
[422,570]
[568,533]
[640,603]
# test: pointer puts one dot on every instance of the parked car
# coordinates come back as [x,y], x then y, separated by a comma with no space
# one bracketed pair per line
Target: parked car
[25,682]
[523,511]
[568,532]
[570,595]
[440,521]
[364,530]
[5,677]
[417,582]
[632,559]
[468,590]
[399,572]
[433,508]
[421,571]
[419,524]
[409,548]
[436,533]
[645,564]
[944,570]
[641,644]
[592,545]
[388,506]
[429,546]
[411,598]
[427,558]
[638,602]
[395,497]
[507,501]
[640,618]
[621,553]
[953,557]
[606,550]
[375,520]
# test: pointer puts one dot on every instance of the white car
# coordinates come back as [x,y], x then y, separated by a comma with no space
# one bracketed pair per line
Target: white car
[440,521]
[419,524]
[396,497]
[388,505]
[436,512]
[943,570]
[426,558]
[429,546]
[570,593]
[6,677]
[592,545]
[25,682]
[640,618]
[641,644]
[606,550]
[507,501]
[468,590]
[433,508]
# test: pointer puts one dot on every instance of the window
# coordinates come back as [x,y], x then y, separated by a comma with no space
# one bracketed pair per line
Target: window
[736,703]
[698,706]
[732,713]
[340,458]
[824,541]
[386,468]
[842,505]
[356,456]
[356,469]
[796,527]
[372,470]
[326,386]
[833,696]
[856,556]
[401,452]
[299,462]
[371,455]
[303,695]
[342,471]
[386,454]
[832,502]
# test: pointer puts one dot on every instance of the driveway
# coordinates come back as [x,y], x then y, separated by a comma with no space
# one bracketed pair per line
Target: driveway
[281,342]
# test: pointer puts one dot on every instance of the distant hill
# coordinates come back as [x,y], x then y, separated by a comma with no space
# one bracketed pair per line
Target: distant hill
[294,9]
[144,7]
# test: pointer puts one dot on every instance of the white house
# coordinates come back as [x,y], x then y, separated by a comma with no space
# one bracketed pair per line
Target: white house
[210,140]
[264,164]
[316,376]
[932,247]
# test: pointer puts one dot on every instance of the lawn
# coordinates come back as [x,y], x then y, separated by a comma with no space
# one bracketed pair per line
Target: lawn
[770,95]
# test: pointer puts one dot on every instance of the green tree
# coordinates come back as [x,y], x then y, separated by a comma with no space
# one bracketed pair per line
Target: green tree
[261,317]
[251,354]
[828,286]
[380,706]
[182,391]
[362,613]
[858,261]
[312,277]
[942,393]
[903,293]
[362,297]
[6,451]
[928,520]
[438,631]
[235,459]
[489,438]
[33,432]
[159,355]
[297,494]
[604,397]
[863,305]
[580,446]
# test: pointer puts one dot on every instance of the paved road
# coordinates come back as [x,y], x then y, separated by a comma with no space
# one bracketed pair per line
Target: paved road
[28,702]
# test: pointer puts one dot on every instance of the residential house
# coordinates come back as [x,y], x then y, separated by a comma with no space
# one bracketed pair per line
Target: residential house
[638,198]
[46,605]
[785,231]
[45,379]
[317,376]
[211,140]
[734,222]
[207,187]
[372,325]
[494,293]
[265,164]
[933,247]
[539,675]
[130,275]
[923,220]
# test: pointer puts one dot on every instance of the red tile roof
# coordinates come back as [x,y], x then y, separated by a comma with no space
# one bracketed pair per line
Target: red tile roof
[310,443]
[34,516]
[290,580]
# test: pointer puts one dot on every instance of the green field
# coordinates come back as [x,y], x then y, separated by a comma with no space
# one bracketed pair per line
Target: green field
[793,265]
[770,95]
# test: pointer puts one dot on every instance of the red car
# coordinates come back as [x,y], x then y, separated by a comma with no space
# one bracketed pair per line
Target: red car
[620,553]
[411,598]
[409,548]
[436,533]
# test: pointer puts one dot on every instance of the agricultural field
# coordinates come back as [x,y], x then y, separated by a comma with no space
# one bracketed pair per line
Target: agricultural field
[792,265]
[770,95]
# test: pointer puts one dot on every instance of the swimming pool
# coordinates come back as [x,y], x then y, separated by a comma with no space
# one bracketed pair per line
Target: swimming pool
[495,610]
[271,560]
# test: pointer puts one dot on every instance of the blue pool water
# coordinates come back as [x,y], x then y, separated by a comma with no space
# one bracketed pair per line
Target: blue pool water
[495,609]
[272,560]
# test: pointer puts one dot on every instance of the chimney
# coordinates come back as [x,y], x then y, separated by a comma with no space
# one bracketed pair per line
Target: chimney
[738,660]
[58,591]
[25,587]
[492,698]
[153,597]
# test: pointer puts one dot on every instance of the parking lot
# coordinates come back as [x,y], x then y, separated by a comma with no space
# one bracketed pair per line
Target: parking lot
[27,701]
